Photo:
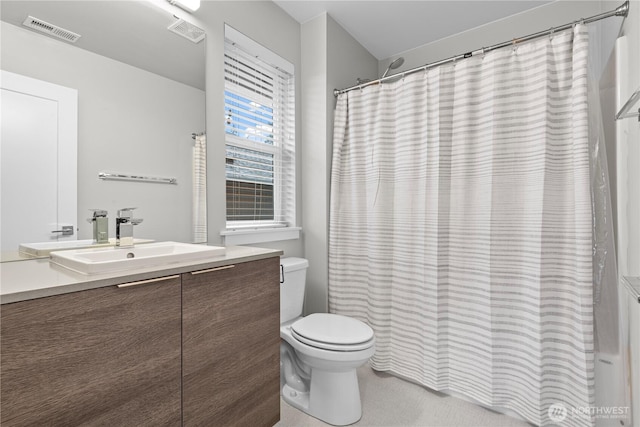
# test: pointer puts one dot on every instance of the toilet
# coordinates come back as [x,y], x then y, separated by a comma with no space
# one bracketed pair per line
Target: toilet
[319,353]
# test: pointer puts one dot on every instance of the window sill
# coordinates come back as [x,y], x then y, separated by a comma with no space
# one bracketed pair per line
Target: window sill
[246,236]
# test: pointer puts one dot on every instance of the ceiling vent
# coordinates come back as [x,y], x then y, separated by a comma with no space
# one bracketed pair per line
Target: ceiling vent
[187,30]
[50,29]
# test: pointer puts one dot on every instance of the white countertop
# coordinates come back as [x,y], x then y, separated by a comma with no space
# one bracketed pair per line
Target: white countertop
[37,278]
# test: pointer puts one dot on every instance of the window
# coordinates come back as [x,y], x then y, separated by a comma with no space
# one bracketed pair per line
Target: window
[259,135]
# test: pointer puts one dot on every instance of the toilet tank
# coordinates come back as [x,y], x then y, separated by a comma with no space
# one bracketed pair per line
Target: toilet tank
[294,271]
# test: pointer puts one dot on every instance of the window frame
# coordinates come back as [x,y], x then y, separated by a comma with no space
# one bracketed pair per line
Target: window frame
[284,215]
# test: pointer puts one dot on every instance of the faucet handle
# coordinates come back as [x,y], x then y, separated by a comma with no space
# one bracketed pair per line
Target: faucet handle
[125,212]
[98,212]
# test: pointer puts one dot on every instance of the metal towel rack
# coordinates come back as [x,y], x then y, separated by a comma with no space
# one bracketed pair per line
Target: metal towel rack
[624,111]
[124,177]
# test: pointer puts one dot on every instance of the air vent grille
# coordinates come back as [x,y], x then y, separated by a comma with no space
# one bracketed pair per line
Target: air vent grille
[187,30]
[50,29]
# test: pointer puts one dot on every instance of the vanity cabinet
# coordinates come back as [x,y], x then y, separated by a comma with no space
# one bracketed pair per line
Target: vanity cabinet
[108,356]
[231,345]
[196,349]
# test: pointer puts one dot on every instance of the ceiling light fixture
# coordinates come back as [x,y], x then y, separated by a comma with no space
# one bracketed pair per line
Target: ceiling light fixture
[188,5]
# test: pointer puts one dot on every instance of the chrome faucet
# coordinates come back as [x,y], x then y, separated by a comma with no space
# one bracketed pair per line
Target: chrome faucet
[124,227]
[100,224]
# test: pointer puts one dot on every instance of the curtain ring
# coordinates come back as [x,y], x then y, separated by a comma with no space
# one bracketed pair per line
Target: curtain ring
[483,52]
[515,46]
[551,33]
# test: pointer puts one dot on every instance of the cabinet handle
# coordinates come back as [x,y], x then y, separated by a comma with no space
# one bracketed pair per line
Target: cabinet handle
[195,273]
[144,282]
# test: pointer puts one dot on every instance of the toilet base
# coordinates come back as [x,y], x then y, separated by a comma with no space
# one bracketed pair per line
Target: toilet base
[295,398]
[334,397]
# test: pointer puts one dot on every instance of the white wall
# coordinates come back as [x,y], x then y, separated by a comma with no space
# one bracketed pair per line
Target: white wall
[629,155]
[315,137]
[528,22]
[130,121]
[628,183]
[331,58]
[270,26]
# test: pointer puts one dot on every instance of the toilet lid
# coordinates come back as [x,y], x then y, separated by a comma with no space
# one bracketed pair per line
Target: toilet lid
[333,332]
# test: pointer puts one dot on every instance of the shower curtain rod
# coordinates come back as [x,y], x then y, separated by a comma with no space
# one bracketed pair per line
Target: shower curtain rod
[622,10]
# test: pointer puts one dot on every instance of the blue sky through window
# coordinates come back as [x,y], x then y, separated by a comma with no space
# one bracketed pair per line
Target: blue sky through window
[248,119]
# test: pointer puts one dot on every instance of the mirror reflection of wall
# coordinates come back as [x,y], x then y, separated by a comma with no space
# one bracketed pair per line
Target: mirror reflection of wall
[134,116]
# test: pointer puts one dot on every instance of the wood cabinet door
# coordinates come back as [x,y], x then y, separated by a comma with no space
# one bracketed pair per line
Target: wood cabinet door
[231,345]
[107,356]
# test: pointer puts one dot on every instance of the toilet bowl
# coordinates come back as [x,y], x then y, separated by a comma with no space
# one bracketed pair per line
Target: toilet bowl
[322,378]
[319,354]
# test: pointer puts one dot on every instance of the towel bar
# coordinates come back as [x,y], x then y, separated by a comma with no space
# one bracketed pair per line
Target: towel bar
[125,177]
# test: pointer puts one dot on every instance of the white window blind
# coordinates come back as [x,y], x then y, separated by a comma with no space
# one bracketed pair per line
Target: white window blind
[259,134]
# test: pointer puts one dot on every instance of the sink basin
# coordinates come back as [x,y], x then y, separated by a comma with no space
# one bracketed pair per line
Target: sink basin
[111,259]
[41,249]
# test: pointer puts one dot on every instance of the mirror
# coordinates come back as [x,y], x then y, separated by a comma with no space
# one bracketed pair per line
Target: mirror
[140,97]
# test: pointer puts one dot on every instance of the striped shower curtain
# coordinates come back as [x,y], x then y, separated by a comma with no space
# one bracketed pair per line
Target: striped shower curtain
[461,231]
[199,196]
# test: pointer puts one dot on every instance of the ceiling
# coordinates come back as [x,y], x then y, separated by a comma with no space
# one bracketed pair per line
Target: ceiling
[387,28]
[133,32]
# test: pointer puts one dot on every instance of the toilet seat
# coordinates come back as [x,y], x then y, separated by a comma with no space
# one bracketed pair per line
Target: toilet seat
[333,332]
